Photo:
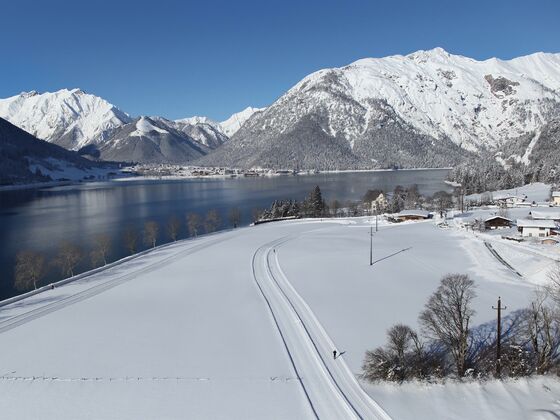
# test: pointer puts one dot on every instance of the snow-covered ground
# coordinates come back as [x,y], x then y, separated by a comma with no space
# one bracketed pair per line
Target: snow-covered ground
[537,192]
[223,326]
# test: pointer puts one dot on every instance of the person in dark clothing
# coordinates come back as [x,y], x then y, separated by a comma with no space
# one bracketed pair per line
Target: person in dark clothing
[334,354]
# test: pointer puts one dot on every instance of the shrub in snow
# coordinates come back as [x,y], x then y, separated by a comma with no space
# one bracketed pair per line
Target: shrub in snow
[404,357]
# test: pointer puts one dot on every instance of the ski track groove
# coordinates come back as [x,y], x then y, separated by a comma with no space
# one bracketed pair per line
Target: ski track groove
[41,311]
[363,406]
[500,259]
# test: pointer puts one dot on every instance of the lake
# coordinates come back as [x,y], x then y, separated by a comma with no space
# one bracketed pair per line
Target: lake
[41,219]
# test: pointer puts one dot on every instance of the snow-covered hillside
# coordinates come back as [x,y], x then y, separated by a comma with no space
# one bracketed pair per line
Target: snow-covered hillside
[151,140]
[402,110]
[172,334]
[26,159]
[227,127]
[236,121]
[69,118]
[474,103]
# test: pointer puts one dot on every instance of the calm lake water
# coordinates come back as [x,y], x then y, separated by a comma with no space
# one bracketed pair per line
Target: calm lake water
[41,219]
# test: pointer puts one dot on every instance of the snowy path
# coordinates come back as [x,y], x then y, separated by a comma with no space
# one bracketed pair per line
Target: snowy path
[500,259]
[330,386]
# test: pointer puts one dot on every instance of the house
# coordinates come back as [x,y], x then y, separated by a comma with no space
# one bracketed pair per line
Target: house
[556,198]
[497,222]
[508,200]
[545,215]
[413,215]
[536,228]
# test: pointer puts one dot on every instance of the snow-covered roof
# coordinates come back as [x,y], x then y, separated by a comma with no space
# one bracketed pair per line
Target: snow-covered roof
[556,193]
[536,223]
[498,217]
[508,197]
[545,215]
[420,213]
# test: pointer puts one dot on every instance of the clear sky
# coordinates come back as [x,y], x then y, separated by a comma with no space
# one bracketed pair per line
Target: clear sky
[183,58]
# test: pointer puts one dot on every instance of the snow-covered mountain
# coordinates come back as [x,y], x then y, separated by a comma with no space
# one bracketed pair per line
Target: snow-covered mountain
[227,127]
[428,108]
[75,119]
[152,141]
[69,118]
[201,129]
[234,123]
[425,108]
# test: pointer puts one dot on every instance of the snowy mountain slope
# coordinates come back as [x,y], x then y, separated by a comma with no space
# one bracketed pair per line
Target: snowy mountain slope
[202,129]
[236,121]
[27,159]
[148,140]
[226,128]
[69,118]
[435,97]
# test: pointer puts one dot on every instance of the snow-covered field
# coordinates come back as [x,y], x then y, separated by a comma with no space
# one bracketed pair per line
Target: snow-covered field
[223,326]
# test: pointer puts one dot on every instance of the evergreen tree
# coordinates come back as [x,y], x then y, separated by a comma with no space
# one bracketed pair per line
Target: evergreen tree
[316,202]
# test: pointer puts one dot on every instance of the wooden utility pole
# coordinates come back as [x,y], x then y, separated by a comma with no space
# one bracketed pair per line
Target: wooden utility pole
[371,245]
[499,308]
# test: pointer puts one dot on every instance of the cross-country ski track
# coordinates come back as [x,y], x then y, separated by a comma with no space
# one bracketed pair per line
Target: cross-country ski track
[331,388]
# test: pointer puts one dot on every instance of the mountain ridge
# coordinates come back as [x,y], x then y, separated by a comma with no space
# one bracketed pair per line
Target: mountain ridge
[444,99]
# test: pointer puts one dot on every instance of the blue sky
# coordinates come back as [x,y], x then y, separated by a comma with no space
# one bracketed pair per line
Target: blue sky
[182,58]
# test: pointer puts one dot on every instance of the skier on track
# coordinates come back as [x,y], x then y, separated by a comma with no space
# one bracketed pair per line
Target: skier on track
[334,354]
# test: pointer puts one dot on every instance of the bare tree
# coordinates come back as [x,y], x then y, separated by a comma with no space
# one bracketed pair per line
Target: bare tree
[68,257]
[553,286]
[335,207]
[101,248]
[402,358]
[543,333]
[503,211]
[30,268]
[193,223]
[131,240]
[234,216]
[256,214]
[173,227]
[447,316]
[443,201]
[400,338]
[151,230]
[212,221]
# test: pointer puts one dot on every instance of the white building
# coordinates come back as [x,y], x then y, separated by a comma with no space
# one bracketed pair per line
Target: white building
[556,198]
[535,228]
[509,200]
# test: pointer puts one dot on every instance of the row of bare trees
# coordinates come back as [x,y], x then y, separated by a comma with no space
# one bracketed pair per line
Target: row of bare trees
[529,342]
[31,267]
